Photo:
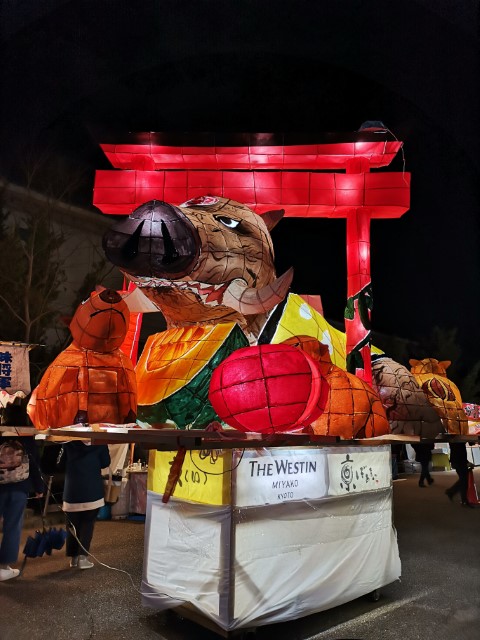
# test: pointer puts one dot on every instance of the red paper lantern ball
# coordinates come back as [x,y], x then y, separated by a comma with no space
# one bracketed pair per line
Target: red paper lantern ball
[268,388]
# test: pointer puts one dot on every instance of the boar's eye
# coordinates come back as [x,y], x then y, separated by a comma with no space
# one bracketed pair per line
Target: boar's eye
[230,223]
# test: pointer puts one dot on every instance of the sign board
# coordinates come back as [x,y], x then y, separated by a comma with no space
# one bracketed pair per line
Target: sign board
[271,476]
[14,367]
[353,471]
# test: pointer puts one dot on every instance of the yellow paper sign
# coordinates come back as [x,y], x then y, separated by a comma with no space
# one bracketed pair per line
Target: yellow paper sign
[205,476]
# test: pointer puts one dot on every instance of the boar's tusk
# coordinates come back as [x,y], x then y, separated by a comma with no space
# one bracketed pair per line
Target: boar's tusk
[137,302]
[249,301]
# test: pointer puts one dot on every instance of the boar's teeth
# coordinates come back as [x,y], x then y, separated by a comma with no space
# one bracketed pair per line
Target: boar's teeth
[236,294]
[208,292]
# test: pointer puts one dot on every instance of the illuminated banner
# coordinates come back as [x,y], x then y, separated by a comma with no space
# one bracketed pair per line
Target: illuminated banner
[275,476]
[356,472]
[14,367]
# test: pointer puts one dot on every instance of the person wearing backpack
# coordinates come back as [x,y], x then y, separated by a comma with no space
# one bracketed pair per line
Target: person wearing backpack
[19,476]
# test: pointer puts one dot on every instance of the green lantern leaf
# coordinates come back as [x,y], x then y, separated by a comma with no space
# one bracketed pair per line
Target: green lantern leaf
[363,310]
[354,361]
[349,309]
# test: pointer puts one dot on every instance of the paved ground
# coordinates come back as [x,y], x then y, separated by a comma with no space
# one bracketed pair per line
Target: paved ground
[438,597]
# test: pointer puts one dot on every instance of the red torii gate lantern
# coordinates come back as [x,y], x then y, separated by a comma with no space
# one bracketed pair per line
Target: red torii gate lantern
[265,171]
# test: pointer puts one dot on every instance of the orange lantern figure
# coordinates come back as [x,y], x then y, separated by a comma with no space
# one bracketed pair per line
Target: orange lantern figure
[91,380]
[442,393]
[352,409]
[267,389]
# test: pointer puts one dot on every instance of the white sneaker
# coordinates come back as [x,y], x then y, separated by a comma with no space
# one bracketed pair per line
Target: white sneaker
[84,563]
[8,573]
[73,561]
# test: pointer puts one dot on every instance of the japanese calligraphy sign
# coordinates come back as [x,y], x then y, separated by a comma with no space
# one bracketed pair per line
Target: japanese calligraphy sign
[14,367]
[354,472]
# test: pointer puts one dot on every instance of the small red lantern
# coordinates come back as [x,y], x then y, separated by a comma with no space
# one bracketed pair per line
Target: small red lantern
[268,388]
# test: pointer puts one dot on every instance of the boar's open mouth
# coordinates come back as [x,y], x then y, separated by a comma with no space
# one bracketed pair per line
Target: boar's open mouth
[211,294]
[235,294]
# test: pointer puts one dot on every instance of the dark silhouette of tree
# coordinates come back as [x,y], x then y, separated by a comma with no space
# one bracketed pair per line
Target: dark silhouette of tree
[33,266]
[31,276]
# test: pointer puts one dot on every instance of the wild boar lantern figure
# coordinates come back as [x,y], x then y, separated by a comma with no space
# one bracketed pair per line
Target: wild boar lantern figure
[205,262]
[208,266]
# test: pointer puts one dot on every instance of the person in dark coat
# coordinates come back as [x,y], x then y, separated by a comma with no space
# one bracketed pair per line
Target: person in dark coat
[19,476]
[459,461]
[423,455]
[83,495]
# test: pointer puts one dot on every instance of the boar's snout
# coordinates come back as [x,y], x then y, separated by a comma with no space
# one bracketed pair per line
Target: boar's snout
[156,240]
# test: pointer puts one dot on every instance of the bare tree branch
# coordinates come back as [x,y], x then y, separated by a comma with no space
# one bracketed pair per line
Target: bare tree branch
[12,310]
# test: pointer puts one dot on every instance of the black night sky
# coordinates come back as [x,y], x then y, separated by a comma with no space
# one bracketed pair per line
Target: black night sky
[72,71]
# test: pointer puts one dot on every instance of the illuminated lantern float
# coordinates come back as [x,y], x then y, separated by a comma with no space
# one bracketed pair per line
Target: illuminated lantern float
[206,262]
[92,380]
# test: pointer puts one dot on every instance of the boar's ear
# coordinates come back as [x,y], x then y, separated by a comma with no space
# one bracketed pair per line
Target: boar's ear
[271,218]
[413,363]
[445,363]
